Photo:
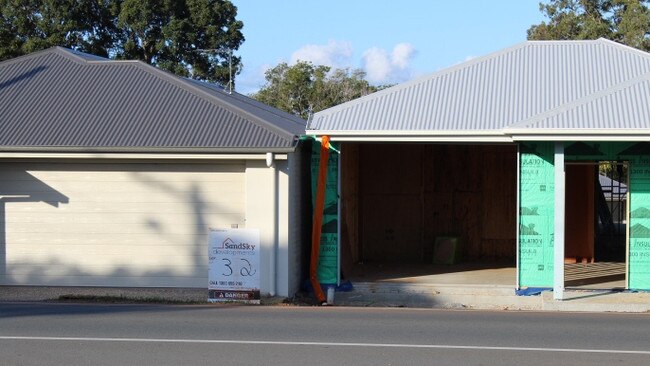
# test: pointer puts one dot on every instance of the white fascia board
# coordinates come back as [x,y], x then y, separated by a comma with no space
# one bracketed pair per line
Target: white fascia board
[579,138]
[413,136]
[457,138]
[478,136]
[130,156]
[579,134]
[332,133]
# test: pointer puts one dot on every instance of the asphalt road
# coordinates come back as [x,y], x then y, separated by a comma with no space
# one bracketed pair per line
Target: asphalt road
[90,334]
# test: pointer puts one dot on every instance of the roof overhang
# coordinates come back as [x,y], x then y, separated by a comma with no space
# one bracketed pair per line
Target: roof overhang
[135,156]
[507,135]
[414,136]
[578,134]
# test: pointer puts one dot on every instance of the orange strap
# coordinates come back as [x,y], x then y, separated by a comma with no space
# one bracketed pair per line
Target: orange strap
[318,219]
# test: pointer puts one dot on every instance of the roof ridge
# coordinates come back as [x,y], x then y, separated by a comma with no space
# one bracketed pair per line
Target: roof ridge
[254,103]
[564,41]
[68,53]
[407,84]
[624,47]
[21,58]
[77,55]
[275,111]
[183,84]
[578,102]
[603,41]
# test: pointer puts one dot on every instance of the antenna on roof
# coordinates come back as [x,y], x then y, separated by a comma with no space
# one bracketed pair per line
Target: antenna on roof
[221,49]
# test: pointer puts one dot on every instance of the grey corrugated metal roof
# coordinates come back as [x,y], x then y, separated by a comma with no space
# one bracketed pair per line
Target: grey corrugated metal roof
[623,106]
[58,99]
[491,93]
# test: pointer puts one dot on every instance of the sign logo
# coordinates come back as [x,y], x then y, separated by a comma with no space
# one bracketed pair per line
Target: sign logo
[230,244]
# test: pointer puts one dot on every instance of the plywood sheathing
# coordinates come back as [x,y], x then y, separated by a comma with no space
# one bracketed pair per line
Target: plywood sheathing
[580,213]
[476,185]
[407,195]
[391,202]
[350,249]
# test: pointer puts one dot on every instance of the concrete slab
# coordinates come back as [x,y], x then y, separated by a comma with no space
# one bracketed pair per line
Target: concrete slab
[472,286]
[443,296]
[489,298]
[598,301]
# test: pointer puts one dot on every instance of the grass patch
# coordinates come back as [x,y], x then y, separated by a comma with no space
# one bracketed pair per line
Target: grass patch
[109,299]
[121,299]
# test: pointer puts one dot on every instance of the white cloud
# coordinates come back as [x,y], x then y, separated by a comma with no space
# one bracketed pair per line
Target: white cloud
[334,54]
[252,78]
[402,54]
[377,64]
[382,67]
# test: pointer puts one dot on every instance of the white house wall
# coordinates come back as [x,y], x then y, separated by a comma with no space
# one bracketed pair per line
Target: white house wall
[114,224]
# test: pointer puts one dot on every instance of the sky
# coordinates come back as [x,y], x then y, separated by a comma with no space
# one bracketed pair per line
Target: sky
[392,41]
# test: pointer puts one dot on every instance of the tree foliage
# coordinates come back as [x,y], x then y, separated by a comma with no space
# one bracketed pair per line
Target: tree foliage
[304,88]
[164,33]
[624,21]
[31,25]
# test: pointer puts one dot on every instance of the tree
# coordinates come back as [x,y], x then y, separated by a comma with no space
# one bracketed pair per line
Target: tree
[304,88]
[165,33]
[32,25]
[624,21]
[168,33]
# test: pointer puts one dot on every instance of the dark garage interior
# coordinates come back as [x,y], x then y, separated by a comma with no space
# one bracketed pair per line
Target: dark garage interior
[399,200]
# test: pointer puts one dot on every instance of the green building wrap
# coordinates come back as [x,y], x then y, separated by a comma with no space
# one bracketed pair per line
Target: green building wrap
[639,254]
[536,214]
[537,199]
[638,157]
[328,260]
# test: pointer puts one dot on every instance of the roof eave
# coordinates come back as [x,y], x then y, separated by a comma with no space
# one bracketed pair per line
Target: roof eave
[478,136]
[507,135]
[578,134]
[150,150]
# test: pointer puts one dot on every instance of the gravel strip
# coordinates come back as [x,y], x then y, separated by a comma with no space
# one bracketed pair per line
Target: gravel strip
[52,293]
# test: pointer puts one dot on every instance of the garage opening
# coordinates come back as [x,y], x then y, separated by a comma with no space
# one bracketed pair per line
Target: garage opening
[596,224]
[428,213]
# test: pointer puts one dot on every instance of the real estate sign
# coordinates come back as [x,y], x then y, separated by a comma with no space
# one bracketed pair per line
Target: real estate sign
[234,265]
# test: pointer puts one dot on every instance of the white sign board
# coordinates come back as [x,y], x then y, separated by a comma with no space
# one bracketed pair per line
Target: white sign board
[234,265]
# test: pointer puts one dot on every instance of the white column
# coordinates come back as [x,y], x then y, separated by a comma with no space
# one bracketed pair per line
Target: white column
[260,206]
[558,247]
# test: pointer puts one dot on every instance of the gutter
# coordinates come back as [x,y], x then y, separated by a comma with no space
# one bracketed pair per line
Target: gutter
[151,150]
[136,156]
[506,135]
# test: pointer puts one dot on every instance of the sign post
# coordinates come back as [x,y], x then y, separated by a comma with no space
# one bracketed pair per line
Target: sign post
[234,265]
